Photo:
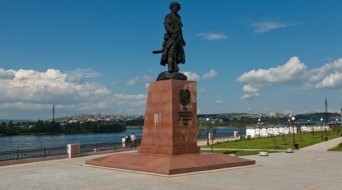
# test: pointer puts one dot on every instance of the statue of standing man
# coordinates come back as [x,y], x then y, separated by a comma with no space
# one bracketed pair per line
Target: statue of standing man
[172,51]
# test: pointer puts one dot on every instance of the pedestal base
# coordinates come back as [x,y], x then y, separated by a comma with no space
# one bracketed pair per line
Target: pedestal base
[169,165]
[170,123]
[169,141]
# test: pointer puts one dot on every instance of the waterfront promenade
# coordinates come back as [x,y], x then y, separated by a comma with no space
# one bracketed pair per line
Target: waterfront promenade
[304,169]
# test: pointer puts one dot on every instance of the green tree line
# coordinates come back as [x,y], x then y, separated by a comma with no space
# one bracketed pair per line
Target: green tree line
[51,127]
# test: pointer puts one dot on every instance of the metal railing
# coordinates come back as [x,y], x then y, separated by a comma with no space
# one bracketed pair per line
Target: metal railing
[58,151]
[100,147]
[32,153]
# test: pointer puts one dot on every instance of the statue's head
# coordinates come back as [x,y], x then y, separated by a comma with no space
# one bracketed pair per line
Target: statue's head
[175,5]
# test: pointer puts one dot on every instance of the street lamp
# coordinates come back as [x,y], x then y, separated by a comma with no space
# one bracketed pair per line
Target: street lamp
[336,127]
[293,131]
[207,119]
[341,118]
[259,125]
[210,135]
[341,123]
[321,128]
[254,131]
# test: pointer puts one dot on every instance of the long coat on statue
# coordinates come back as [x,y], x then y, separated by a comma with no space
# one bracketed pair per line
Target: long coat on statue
[173,40]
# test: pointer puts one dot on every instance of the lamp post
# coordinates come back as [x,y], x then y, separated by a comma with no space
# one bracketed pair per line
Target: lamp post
[210,135]
[293,131]
[341,123]
[207,120]
[212,141]
[254,131]
[336,127]
[341,117]
[321,128]
[259,126]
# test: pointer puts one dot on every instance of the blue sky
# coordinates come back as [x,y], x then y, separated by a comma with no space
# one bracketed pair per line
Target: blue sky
[90,56]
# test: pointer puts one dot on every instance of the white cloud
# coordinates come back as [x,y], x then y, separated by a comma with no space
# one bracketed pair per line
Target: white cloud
[6,74]
[261,27]
[249,89]
[290,71]
[331,81]
[293,70]
[210,75]
[42,87]
[327,76]
[249,92]
[212,36]
[192,76]
[22,90]
[133,81]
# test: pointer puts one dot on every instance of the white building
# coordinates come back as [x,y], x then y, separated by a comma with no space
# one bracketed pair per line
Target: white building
[273,130]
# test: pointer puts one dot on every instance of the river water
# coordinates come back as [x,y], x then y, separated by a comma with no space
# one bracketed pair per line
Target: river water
[20,142]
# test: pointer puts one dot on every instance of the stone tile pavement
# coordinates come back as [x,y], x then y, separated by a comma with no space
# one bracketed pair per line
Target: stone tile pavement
[324,146]
[309,170]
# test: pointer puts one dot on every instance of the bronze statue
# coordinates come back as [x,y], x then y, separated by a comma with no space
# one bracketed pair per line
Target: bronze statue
[172,48]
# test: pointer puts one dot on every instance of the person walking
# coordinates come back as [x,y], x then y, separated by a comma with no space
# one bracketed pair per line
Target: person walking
[134,140]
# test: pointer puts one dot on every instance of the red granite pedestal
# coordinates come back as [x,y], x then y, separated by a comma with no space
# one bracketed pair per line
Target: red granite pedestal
[169,141]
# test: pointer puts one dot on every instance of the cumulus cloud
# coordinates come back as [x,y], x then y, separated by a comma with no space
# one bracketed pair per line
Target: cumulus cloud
[331,81]
[290,71]
[212,36]
[192,76]
[249,92]
[249,89]
[6,74]
[34,90]
[210,75]
[266,26]
[327,76]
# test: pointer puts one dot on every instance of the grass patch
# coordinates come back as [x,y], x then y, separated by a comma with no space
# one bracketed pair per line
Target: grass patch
[278,142]
[336,148]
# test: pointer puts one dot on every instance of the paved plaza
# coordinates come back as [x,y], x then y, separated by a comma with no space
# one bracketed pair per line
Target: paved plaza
[305,169]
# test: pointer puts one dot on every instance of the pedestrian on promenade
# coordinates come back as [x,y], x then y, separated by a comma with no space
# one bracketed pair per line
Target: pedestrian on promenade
[128,141]
[134,140]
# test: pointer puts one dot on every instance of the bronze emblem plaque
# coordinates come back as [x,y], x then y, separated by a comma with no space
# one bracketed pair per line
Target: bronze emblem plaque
[184,96]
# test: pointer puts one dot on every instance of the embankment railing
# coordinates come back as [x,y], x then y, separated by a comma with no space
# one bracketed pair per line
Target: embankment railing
[60,150]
